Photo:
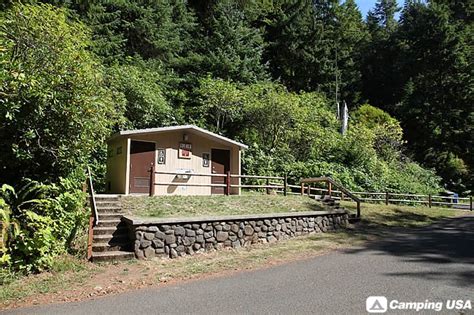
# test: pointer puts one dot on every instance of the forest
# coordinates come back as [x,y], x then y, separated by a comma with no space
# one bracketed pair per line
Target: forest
[268,73]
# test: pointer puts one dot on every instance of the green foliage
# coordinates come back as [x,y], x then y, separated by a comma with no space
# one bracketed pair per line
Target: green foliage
[43,222]
[314,46]
[143,88]
[221,102]
[388,134]
[151,29]
[232,49]
[297,133]
[54,109]
[419,70]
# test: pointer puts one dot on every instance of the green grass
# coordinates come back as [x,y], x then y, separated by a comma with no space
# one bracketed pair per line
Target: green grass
[66,271]
[378,221]
[190,206]
[394,216]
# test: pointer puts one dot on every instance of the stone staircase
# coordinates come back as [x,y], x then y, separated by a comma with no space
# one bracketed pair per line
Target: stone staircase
[330,204]
[110,237]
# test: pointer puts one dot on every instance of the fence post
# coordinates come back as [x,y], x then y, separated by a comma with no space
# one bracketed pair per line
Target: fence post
[329,189]
[429,200]
[228,184]
[152,180]
[386,198]
[470,203]
[302,189]
[309,190]
[342,196]
[268,184]
[285,184]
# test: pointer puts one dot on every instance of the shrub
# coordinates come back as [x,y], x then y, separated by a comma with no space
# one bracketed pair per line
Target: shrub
[46,218]
[54,108]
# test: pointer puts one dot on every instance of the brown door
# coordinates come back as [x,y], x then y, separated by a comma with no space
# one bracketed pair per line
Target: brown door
[142,157]
[220,165]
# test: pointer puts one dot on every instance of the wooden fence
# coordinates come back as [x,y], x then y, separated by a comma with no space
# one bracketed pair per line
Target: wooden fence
[251,181]
[463,203]
[279,184]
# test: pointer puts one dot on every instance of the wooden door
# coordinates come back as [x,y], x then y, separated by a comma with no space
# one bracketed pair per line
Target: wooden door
[220,165]
[142,157]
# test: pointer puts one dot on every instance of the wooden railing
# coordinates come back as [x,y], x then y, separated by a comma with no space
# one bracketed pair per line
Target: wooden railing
[306,184]
[228,185]
[387,198]
[94,217]
[279,184]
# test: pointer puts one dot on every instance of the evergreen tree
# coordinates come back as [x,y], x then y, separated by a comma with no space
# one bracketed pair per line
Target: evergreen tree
[314,46]
[381,82]
[231,48]
[160,30]
[436,105]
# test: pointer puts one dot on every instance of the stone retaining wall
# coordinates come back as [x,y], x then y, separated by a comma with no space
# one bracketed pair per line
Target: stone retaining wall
[178,237]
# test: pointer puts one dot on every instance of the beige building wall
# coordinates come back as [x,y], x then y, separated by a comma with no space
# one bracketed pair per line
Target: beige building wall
[117,165]
[170,142]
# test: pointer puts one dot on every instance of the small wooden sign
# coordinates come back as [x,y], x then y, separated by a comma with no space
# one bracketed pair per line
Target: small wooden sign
[161,156]
[185,150]
[205,159]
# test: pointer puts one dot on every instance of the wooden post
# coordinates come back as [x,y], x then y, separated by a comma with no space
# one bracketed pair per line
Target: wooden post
[358,209]
[342,196]
[309,190]
[470,203]
[152,180]
[90,237]
[429,200]
[386,198]
[302,189]
[285,184]
[228,184]
[268,184]
[329,189]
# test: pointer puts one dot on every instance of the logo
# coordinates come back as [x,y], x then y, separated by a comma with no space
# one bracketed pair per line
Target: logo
[376,304]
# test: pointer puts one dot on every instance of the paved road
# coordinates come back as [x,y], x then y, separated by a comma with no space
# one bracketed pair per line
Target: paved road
[434,263]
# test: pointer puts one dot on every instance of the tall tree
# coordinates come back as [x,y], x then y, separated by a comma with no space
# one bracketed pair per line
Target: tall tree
[54,107]
[160,30]
[436,105]
[381,82]
[313,45]
[232,48]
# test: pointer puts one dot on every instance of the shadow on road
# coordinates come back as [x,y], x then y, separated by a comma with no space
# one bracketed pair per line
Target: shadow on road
[449,241]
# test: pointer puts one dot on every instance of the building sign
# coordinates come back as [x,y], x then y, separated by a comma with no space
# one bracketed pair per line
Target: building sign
[161,156]
[205,159]
[185,150]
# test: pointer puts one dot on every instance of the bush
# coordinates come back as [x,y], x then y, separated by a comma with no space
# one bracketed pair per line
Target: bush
[54,107]
[298,134]
[46,219]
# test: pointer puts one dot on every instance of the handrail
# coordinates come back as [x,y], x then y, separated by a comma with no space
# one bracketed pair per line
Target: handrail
[228,182]
[92,197]
[330,181]
[190,174]
[257,177]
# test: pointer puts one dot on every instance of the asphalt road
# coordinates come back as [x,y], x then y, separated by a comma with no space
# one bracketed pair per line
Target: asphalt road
[433,264]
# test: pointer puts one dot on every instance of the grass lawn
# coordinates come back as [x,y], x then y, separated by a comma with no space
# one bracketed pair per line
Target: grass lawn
[74,279]
[191,206]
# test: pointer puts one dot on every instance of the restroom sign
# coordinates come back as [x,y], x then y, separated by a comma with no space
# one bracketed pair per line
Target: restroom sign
[161,156]
[185,150]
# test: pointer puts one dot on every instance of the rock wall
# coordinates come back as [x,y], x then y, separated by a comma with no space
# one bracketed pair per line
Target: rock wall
[178,237]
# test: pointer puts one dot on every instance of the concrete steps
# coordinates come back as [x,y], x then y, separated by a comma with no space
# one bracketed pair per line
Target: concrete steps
[109,256]
[329,203]
[110,237]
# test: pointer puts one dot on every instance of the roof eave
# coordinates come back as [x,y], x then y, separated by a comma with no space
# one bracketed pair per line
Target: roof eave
[175,128]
